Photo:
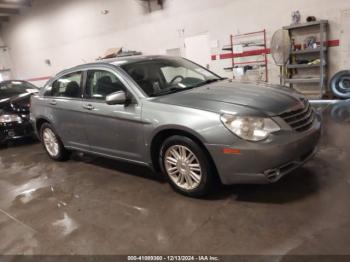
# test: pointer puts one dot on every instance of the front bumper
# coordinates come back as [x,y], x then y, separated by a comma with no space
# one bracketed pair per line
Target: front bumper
[12,131]
[269,161]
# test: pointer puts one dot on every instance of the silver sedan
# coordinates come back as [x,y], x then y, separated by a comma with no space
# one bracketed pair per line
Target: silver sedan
[179,118]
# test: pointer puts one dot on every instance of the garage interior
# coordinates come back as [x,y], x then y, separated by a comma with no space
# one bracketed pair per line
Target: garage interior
[90,205]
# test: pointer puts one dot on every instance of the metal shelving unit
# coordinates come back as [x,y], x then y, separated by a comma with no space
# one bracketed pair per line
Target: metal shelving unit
[296,66]
[293,71]
[308,51]
[245,41]
[303,80]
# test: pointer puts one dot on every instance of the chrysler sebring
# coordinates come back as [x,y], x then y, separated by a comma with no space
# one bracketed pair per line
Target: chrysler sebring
[179,118]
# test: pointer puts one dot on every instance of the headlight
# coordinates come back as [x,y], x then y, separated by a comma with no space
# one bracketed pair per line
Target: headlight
[250,128]
[10,118]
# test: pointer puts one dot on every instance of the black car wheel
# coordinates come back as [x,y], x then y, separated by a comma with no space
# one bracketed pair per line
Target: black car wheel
[52,143]
[189,169]
[340,84]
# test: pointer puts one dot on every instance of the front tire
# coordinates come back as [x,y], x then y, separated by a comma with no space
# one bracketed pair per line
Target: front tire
[187,166]
[53,144]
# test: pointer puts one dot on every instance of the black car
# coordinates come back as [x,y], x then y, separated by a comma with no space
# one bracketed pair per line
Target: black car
[14,109]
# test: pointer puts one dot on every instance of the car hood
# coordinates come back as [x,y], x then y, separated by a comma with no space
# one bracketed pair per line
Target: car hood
[223,96]
[16,104]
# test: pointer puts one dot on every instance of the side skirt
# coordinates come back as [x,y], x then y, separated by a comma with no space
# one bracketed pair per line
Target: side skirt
[109,156]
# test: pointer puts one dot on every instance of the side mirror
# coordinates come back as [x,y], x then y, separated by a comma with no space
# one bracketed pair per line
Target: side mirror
[117,98]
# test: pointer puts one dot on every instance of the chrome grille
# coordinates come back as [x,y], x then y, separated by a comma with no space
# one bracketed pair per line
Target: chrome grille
[300,120]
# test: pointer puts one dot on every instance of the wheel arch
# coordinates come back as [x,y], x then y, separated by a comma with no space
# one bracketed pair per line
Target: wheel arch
[160,136]
[38,124]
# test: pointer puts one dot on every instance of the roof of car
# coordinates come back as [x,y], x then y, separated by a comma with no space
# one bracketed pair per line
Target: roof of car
[131,59]
[116,62]
[14,81]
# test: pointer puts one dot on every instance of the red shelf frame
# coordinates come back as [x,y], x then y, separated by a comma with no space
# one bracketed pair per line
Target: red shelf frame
[263,51]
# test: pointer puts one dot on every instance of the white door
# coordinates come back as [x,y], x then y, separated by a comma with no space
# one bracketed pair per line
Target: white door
[197,49]
[173,52]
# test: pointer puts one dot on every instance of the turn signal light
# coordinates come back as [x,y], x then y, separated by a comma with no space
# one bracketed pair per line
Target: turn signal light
[231,151]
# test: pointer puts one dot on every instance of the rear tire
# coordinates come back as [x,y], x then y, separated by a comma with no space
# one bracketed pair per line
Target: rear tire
[187,166]
[53,144]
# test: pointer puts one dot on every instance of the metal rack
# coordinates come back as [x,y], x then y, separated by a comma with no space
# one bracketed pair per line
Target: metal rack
[294,72]
[243,41]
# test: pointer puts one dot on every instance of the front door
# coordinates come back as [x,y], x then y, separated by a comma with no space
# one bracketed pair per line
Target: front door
[112,130]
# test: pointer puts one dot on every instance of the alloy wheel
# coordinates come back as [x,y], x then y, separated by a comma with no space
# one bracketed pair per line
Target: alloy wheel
[50,142]
[183,167]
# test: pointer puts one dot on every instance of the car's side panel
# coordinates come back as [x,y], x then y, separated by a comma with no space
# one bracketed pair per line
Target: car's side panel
[69,121]
[65,115]
[115,130]
[205,126]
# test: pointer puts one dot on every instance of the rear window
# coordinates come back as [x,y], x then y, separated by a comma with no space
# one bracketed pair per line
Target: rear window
[13,88]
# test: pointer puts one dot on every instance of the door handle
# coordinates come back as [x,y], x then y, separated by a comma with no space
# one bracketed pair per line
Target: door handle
[53,102]
[88,107]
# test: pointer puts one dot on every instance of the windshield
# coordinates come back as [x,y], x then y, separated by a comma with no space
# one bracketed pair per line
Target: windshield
[14,88]
[168,75]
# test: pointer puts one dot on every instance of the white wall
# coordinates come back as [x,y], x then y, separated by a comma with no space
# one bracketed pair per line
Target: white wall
[5,62]
[70,32]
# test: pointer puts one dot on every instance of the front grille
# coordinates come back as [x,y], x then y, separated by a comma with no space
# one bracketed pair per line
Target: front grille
[300,120]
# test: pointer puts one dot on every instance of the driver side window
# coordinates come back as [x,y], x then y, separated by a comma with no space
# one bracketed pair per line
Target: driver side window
[101,83]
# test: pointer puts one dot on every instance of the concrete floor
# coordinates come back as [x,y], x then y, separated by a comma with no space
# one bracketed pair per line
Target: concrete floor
[95,206]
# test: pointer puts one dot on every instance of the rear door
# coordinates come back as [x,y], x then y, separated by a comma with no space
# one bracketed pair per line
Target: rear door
[112,130]
[65,108]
